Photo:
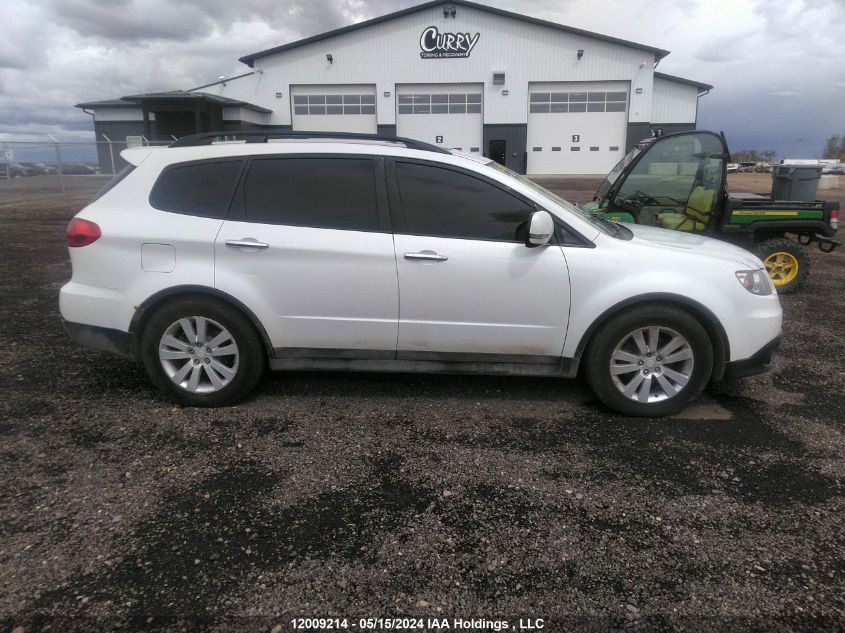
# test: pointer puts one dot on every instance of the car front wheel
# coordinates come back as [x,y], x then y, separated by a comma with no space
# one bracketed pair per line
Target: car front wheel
[649,361]
[202,352]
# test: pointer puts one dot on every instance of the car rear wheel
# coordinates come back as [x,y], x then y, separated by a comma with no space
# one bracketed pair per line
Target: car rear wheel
[202,352]
[649,361]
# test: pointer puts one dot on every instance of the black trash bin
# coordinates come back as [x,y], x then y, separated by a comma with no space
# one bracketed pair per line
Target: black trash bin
[796,182]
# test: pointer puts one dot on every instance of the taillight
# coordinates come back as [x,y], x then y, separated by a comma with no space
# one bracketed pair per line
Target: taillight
[82,233]
[834,219]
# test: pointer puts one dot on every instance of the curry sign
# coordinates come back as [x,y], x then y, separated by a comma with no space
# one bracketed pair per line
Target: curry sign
[434,44]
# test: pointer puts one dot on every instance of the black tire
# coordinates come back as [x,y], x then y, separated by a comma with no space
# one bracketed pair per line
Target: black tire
[766,249]
[251,360]
[614,331]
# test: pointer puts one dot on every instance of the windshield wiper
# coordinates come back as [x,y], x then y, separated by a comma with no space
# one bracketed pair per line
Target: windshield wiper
[605,222]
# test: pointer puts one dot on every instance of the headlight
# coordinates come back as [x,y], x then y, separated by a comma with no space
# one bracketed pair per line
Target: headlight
[755,281]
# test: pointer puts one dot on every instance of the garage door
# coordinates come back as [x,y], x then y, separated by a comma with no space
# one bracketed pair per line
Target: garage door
[576,128]
[448,115]
[334,108]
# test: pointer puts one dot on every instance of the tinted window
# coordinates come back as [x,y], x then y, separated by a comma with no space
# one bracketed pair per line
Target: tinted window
[203,189]
[334,193]
[448,203]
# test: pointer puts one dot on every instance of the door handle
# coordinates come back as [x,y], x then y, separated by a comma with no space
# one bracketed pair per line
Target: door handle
[426,255]
[247,243]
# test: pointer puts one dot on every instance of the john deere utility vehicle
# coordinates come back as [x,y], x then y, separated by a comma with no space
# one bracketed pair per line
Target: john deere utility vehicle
[678,182]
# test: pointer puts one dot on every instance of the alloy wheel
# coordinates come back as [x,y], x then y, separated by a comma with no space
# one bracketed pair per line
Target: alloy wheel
[651,364]
[198,354]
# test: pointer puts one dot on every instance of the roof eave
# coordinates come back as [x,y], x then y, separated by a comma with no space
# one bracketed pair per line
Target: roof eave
[249,60]
[682,80]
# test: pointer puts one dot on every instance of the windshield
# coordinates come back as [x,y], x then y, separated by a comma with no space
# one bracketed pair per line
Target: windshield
[595,221]
[607,183]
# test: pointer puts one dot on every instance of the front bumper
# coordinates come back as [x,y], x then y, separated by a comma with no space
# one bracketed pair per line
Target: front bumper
[758,363]
[100,338]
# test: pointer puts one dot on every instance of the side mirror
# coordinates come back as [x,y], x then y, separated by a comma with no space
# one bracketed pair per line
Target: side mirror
[541,227]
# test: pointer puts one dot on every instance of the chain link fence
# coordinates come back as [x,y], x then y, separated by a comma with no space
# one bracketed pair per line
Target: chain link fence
[53,161]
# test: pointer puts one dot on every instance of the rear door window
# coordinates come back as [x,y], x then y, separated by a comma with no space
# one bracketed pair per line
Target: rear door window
[202,189]
[321,192]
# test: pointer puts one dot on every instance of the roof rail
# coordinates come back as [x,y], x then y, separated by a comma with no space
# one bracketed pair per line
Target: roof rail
[207,138]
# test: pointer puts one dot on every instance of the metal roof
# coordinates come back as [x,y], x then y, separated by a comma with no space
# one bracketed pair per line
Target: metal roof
[659,53]
[107,102]
[136,100]
[681,80]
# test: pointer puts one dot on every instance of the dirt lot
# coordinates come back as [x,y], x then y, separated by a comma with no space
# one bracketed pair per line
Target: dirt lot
[384,495]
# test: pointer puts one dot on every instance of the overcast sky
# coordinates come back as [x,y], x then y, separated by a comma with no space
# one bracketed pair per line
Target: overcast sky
[778,66]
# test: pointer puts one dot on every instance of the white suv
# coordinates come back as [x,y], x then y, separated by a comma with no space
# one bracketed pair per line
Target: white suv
[209,261]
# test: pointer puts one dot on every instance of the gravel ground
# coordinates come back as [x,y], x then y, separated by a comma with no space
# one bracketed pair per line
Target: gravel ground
[332,495]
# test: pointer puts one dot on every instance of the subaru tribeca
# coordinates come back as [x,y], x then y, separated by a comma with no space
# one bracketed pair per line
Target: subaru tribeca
[210,260]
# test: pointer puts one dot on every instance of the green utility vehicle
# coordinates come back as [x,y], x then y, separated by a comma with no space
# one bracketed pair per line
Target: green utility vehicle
[678,182]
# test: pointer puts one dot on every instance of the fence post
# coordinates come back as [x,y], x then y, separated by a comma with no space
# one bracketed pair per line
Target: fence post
[59,162]
[111,153]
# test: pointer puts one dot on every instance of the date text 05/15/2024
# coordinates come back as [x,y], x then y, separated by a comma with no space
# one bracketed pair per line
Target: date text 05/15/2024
[416,624]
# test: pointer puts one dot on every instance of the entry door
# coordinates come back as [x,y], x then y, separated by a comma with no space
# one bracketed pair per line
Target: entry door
[468,285]
[309,253]
[498,151]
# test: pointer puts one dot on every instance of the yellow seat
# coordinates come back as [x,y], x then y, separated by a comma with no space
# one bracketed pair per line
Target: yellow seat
[699,207]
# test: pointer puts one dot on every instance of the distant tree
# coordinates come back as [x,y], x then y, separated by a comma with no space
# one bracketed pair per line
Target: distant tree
[753,156]
[746,156]
[834,147]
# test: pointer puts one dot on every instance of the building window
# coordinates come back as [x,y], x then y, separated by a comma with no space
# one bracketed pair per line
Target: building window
[439,104]
[593,101]
[334,104]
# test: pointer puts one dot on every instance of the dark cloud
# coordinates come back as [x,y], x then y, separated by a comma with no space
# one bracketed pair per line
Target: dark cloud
[129,21]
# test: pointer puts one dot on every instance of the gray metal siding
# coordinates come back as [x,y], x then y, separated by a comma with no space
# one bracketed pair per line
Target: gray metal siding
[117,131]
[246,126]
[639,131]
[386,130]
[636,133]
[671,128]
[515,136]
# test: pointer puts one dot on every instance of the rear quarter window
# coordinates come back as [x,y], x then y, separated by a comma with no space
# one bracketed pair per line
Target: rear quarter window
[203,189]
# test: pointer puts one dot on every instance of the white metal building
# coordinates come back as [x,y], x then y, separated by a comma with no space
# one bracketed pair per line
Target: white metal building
[540,97]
